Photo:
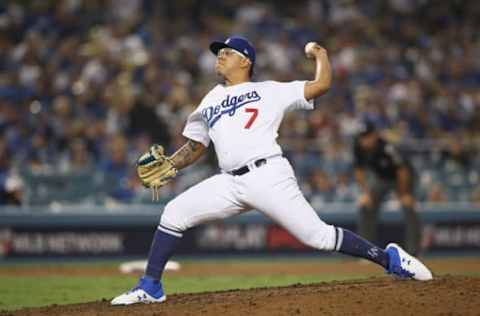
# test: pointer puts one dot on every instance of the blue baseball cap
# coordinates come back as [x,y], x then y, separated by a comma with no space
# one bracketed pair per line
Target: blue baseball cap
[238,43]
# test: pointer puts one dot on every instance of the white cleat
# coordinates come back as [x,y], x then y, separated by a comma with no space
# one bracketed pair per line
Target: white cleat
[405,266]
[146,292]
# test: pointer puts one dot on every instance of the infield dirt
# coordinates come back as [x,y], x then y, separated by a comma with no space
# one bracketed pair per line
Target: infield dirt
[445,295]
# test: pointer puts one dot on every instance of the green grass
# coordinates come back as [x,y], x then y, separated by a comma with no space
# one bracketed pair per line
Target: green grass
[41,291]
[47,290]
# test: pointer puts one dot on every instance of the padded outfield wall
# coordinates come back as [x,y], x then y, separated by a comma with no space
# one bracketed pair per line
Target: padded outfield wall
[126,231]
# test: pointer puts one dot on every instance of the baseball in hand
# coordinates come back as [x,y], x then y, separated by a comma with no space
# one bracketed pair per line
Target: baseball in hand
[310,48]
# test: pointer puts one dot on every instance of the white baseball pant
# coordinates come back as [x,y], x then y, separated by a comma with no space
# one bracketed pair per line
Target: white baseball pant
[270,188]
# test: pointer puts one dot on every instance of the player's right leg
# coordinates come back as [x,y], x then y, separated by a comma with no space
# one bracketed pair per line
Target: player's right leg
[213,198]
[279,197]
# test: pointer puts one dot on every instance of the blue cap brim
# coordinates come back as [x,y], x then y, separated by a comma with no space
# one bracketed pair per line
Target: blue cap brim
[216,46]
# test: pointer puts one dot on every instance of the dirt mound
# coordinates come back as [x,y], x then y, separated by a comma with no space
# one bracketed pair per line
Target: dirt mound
[447,295]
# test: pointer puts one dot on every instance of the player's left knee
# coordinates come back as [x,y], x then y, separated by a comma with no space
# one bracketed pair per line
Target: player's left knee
[171,218]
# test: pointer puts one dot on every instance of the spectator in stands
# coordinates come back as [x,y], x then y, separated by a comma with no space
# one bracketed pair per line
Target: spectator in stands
[454,168]
[77,159]
[303,159]
[322,189]
[90,69]
[455,155]
[120,177]
[344,189]
[11,185]
[437,194]
[475,199]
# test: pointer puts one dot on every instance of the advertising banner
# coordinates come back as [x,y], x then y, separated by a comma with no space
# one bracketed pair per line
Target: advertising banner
[214,238]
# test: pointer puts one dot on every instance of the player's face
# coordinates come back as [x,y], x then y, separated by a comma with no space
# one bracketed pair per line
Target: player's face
[229,61]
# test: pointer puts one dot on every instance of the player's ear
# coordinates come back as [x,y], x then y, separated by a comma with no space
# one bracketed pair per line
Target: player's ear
[245,63]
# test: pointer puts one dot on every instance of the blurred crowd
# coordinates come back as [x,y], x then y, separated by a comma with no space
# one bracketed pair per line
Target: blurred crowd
[86,86]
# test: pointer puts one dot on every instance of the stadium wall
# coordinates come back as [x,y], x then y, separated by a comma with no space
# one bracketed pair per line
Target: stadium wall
[127,231]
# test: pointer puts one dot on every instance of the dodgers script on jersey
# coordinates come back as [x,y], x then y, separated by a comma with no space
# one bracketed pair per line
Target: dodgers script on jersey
[243,120]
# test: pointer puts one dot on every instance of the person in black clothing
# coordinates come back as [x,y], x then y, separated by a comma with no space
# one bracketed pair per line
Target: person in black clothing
[390,171]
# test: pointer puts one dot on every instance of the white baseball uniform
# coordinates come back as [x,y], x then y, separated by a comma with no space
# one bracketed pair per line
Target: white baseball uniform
[242,121]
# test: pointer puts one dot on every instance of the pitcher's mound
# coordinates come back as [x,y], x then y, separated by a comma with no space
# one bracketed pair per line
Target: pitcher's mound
[447,295]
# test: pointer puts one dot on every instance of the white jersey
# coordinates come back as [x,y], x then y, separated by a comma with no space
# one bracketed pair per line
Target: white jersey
[243,120]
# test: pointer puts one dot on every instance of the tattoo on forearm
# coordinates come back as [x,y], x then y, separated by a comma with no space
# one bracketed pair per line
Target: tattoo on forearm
[187,154]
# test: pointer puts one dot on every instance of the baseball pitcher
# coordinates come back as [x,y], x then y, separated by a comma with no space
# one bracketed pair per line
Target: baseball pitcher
[242,119]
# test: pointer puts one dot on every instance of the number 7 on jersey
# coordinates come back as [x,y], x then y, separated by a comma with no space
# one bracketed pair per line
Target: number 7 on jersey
[252,118]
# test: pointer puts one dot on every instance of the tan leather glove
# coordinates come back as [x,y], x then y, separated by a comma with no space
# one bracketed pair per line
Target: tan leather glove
[155,169]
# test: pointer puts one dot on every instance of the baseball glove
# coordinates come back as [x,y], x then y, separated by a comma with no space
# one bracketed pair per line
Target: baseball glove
[155,169]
